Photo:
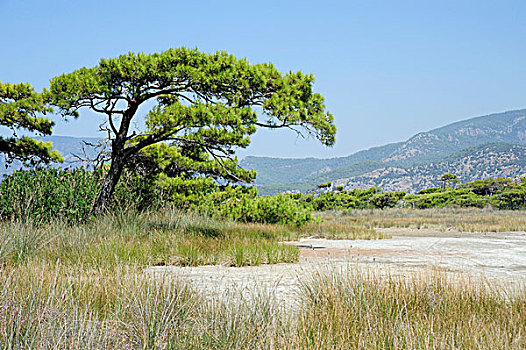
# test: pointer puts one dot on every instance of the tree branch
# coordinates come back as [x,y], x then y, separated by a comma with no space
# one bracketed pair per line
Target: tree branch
[220,161]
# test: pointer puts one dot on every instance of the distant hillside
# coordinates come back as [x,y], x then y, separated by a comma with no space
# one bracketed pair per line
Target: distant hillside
[508,127]
[480,162]
[433,146]
[273,171]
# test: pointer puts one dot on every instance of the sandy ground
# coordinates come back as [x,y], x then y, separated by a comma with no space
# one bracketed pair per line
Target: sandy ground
[497,257]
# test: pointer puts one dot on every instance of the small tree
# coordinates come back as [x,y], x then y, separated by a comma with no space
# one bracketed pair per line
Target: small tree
[204,106]
[19,105]
[448,178]
[325,185]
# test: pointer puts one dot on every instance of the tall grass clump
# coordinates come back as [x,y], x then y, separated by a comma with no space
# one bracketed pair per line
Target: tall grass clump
[459,219]
[167,237]
[335,227]
[48,306]
[59,307]
[43,195]
[361,310]
[21,241]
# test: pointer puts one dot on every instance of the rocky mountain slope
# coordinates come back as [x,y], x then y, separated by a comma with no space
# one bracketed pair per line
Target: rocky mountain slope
[424,148]
[489,160]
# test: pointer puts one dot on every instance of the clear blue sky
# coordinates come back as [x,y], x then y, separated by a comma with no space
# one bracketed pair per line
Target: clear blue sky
[388,69]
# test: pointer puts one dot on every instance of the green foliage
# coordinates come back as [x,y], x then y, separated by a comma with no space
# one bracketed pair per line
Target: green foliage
[500,193]
[448,178]
[352,199]
[430,190]
[19,105]
[187,193]
[242,204]
[282,209]
[489,187]
[469,200]
[512,198]
[46,195]
[432,200]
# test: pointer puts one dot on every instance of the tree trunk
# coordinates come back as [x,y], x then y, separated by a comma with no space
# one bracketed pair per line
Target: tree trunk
[108,185]
[119,157]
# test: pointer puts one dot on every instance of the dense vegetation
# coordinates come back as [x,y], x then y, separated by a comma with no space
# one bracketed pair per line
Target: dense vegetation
[74,274]
[201,108]
[85,285]
[500,193]
[47,194]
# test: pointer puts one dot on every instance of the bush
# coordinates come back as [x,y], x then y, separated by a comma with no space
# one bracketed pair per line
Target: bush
[43,195]
[470,200]
[514,198]
[352,199]
[387,199]
[430,190]
[283,210]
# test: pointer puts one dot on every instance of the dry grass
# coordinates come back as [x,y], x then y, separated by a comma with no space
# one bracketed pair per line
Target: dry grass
[56,306]
[167,237]
[145,239]
[464,220]
[338,227]
[364,311]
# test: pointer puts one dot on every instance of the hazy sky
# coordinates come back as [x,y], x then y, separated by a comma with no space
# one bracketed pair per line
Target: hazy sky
[388,69]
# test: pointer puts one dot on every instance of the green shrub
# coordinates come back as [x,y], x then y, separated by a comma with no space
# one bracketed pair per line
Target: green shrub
[470,200]
[387,199]
[514,198]
[430,190]
[352,199]
[43,195]
[242,204]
